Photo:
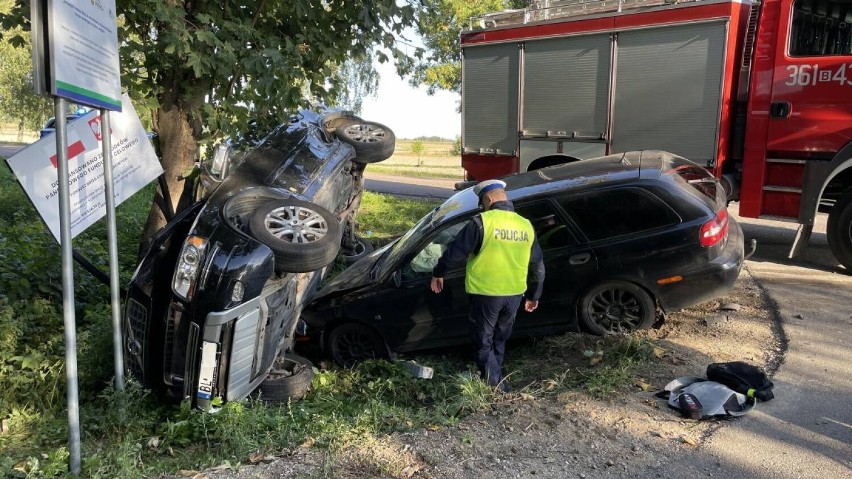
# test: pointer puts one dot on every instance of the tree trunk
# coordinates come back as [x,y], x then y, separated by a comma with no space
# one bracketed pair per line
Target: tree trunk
[178,139]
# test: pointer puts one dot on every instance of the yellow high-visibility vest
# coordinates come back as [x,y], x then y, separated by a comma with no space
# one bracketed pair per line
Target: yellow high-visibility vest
[500,268]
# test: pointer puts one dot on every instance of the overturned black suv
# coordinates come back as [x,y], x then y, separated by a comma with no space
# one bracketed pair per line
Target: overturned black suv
[217,297]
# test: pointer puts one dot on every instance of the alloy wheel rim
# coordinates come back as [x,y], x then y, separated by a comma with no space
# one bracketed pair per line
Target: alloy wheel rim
[353,347]
[616,310]
[365,133]
[296,224]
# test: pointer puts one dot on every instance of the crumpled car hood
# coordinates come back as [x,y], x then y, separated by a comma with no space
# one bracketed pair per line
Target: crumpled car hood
[353,278]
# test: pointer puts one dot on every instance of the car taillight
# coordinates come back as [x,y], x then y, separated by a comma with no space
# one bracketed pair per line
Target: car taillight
[713,231]
[188,266]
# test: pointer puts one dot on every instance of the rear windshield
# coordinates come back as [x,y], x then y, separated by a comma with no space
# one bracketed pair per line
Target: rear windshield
[696,180]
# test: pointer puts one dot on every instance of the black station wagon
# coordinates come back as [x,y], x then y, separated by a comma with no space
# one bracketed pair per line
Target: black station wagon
[621,235]
[217,296]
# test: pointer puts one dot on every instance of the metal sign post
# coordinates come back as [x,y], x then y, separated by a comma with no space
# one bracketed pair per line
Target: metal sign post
[68,288]
[112,239]
[85,69]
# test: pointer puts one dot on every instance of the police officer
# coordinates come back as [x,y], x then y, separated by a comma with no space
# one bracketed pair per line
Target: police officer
[502,253]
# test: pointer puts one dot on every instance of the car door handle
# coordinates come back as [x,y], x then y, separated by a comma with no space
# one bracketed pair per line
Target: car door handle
[582,258]
[779,109]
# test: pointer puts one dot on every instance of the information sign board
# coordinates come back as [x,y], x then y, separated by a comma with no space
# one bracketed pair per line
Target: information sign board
[83,46]
[135,164]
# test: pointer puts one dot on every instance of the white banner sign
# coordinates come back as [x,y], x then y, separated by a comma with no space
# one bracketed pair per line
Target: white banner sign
[83,43]
[135,164]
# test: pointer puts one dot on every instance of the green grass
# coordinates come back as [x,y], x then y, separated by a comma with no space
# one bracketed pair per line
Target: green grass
[131,434]
[384,217]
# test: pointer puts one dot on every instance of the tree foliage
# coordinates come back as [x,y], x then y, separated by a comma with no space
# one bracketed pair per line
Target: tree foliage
[356,79]
[205,69]
[18,101]
[417,147]
[439,23]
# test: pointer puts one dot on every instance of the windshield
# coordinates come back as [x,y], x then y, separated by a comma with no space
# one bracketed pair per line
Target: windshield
[403,244]
[456,205]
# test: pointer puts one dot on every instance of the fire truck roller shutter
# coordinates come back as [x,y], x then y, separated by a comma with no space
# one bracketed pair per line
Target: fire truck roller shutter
[490,113]
[668,90]
[564,98]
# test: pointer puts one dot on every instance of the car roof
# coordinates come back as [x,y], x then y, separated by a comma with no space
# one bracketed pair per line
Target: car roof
[611,169]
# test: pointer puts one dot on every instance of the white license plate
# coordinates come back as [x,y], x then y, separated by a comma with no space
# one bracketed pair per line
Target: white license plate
[208,370]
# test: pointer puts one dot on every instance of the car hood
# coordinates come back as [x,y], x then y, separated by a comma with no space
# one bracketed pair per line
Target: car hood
[352,278]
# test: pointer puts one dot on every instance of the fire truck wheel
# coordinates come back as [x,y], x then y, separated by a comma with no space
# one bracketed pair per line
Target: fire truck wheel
[373,142]
[839,230]
[289,379]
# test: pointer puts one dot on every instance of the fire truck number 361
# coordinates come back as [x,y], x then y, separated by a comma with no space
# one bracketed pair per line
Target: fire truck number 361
[810,75]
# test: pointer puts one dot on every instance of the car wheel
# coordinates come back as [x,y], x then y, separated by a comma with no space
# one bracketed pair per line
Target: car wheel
[350,343]
[289,379]
[839,230]
[373,142]
[361,248]
[304,236]
[616,307]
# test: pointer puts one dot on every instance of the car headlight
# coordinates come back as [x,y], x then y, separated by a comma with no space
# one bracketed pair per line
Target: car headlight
[188,266]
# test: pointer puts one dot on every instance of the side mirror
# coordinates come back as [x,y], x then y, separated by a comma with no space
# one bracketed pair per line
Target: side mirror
[396,276]
[221,161]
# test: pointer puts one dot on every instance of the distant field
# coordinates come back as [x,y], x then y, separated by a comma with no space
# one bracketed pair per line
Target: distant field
[437,162]
[9,133]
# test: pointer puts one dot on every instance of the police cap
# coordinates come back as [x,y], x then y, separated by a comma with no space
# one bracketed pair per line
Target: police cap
[488,185]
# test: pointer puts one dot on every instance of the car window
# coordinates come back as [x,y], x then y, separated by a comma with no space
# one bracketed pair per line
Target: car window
[697,179]
[550,229]
[821,28]
[618,212]
[426,259]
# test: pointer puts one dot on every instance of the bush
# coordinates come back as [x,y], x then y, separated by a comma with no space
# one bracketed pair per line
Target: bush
[457,147]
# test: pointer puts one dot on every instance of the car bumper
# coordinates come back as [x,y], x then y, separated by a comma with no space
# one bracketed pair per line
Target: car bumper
[713,280]
[210,347]
[201,360]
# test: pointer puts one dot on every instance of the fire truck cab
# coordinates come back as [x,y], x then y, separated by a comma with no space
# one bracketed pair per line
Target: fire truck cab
[760,93]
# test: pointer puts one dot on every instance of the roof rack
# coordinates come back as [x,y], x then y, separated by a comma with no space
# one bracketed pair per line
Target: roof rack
[543,10]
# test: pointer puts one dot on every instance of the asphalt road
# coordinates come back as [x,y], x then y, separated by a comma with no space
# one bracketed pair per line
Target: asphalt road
[402,186]
[9,149]
[806,431]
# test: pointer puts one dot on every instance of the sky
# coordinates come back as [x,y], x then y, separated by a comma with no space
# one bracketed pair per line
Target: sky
[410,112]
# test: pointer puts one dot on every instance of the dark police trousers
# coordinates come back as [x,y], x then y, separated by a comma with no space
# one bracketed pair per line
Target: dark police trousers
[491,318]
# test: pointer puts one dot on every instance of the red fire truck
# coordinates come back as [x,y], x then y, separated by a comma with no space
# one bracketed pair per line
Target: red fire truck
[759,93]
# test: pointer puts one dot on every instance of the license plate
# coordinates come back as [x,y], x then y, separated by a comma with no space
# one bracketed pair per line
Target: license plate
[208,371]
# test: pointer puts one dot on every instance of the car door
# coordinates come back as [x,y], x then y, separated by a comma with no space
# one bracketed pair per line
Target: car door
[430,319]
[569,263]
[633,233]
[811,99]
[403,308]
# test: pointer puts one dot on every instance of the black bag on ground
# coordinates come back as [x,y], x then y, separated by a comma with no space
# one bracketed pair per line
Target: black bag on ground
[742,378]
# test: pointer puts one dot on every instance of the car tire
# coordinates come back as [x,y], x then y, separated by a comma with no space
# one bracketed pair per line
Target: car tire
[350,343]
[362,248]
[615,307]
[839,230]
[373,142]
[289,379]
[304,236]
